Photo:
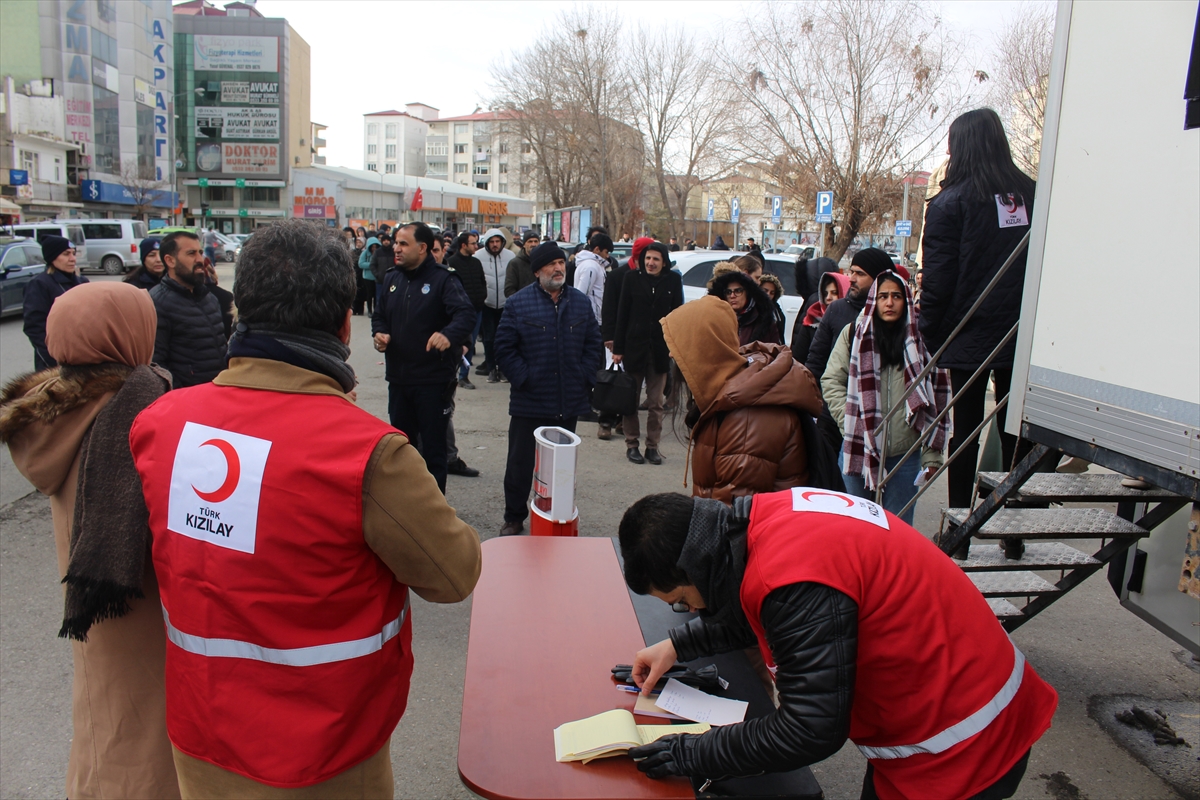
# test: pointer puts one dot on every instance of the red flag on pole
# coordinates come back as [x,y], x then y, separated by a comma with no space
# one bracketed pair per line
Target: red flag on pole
[418,202]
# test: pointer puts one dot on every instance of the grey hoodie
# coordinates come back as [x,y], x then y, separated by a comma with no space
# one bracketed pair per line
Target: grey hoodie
[495,267]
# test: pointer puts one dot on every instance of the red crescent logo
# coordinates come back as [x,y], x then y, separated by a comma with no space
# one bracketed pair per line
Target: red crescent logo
[1010,203]
[233,473]
[808,495]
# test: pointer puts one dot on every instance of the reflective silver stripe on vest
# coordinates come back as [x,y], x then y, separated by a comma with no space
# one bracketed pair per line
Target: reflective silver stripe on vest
[293,657]
[964,730]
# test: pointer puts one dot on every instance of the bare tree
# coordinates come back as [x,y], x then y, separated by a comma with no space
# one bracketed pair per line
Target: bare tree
[142,188]
[846,95]
[1021,80]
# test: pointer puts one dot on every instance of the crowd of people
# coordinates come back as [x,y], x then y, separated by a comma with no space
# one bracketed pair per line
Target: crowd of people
[165,432]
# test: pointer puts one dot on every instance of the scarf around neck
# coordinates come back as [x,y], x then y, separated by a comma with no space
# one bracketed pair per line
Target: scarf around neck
[864,417]
[312,350]
[714,556]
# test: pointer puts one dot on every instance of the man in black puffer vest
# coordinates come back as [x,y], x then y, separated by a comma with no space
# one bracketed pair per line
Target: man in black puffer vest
[190,341]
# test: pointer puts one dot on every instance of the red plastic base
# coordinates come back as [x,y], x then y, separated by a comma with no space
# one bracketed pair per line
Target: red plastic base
[543,526]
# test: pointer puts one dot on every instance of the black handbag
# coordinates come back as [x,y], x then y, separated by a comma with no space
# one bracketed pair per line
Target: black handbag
[616,392]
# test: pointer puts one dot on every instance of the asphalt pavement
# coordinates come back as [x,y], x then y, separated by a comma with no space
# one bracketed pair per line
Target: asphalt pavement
[1086,645]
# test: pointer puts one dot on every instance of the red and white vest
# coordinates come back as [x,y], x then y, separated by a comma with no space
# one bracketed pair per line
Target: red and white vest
[944,703]
[289,641]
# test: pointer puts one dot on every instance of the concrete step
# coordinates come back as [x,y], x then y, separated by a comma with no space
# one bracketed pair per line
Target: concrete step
[1010,584]
[1038,555]
[1053,487]
[1050,523]
[1002,608]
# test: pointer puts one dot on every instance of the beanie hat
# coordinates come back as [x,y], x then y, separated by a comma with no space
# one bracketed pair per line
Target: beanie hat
[872,261]
[149,245]
[544,253]
[530,235]
[53,247]
[657,247]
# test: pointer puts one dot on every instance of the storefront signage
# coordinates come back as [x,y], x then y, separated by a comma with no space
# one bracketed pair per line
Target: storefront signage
[94,191]
[464,205]
[493,207]
[313,203]
[249,159]
[142,92]
[255,93]
[214,122]
[231,182]
[237,53]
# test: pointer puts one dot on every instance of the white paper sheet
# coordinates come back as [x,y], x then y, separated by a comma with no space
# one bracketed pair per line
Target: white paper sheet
[691,703]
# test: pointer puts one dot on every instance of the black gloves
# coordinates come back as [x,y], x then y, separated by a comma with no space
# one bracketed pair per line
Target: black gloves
[667,757]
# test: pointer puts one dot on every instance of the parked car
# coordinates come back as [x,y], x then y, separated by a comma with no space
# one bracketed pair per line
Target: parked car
[112,243]
[227,251]
[40,230]
[801,250]
[20,260]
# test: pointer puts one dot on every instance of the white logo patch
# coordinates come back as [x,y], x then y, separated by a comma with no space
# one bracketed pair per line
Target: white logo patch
[844,505]
[425,289]
[1011,211]
[215,485]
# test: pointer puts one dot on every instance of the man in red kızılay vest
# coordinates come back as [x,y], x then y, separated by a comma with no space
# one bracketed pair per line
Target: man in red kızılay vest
[870,631]
[288,527]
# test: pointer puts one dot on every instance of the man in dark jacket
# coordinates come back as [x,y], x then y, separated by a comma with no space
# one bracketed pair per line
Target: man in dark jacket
[520,272]
[382,262]
[548,344]
[864,268]
[469,270]
[191,340]
[421,325]
[60,275]
[647,295]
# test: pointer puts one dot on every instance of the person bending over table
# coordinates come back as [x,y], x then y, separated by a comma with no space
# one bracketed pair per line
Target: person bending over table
[870,631]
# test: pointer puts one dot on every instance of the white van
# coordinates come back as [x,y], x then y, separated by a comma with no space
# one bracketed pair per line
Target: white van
[113,243]
[40,230]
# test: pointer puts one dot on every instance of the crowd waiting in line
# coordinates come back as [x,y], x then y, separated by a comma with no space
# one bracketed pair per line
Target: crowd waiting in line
[176,398]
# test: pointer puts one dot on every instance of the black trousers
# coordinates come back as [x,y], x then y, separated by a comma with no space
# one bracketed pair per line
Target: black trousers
[518,473]
[487,332]
[968,413]
[1005,787]
[421,413]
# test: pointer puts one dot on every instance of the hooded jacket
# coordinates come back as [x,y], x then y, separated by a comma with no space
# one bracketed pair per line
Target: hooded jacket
[470,271]
[495,267]
[808,320]
[747,435]
[590,273]
[365,258]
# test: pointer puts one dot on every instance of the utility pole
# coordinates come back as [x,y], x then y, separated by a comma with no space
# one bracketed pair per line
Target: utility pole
[904,215]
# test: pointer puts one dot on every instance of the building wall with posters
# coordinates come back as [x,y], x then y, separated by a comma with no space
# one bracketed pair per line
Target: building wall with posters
[242,88]
[108,68]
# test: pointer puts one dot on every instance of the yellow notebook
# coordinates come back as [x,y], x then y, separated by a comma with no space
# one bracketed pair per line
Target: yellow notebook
[610,734]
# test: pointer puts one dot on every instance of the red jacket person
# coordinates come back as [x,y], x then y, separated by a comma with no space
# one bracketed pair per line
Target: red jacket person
[288,527]
[871,633]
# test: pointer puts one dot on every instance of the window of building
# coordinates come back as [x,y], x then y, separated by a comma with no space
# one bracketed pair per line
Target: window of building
[504,188]
[29,163]
[145,142]
[481,185]
[503,169]
[436,149]
[57,169]
[481,169]
[260,196]
[372,129]
[460,127]
[390,130]
[371,149]
[523,188]
[371,167]
[107,131]
[104,47]
[460,168]
[218,196]
[526,147]
[389,151]
[460,148]
[389,168]
[436,168]
[503,148]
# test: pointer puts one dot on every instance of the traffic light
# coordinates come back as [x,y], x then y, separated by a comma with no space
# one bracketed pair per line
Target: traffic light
[204,209]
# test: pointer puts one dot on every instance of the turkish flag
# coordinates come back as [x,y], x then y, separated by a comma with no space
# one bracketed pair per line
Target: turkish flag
[418,201]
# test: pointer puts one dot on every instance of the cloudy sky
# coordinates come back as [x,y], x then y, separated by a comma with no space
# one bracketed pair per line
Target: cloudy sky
[371,55]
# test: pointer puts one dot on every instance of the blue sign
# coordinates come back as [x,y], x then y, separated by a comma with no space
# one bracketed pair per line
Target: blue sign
[101,192]
[91,190]
[904,227]
[824,207]
[735,209]
[711,206]
[18,177]
[776,209]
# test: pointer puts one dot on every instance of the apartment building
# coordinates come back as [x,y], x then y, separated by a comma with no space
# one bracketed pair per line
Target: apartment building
[471,150]
[394,141]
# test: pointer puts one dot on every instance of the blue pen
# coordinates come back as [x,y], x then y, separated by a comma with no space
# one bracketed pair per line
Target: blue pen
[633,689]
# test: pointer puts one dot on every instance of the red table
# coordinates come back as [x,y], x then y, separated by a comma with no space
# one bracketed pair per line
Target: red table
[550,616]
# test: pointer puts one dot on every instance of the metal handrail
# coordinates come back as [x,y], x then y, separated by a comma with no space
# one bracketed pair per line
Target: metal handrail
[884,478]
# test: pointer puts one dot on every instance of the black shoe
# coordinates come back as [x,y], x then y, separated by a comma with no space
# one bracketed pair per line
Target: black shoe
[465,383]
[1013,548]
[483,369]
[512,529]
[459,467]
[503,378]
[494,376]
[652,456]
[633,455]
[963,552]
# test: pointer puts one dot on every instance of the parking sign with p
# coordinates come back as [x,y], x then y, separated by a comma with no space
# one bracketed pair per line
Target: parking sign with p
[824,207]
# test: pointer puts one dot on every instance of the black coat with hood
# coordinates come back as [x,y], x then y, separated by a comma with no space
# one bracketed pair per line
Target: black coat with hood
[757,321]
[382,260]
[963,248]
[637,335]
[470,271]
[839,314]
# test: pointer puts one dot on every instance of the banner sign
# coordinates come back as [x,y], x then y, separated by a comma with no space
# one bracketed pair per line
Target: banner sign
[249,159]
[237,53]
[214,122]
[255,93]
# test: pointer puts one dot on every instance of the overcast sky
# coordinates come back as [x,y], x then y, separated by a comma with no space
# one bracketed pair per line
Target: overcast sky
[370,55]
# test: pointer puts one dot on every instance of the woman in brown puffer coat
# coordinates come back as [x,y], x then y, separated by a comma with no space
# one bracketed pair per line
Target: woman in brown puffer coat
[746,433]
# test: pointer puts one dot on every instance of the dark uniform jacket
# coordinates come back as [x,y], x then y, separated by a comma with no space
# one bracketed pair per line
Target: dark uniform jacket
[416,304]
[40,294]
[190,341]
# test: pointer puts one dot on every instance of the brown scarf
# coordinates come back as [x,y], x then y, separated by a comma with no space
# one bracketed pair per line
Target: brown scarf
[110,532]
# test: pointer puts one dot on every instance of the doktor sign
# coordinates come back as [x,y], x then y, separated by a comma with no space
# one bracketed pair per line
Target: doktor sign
[249,159]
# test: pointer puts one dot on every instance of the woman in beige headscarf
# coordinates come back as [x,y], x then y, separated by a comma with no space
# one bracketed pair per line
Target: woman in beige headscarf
[67,428]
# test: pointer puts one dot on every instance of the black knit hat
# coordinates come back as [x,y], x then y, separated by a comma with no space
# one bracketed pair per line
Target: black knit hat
[545,253]
[53,247]
[530,235]
[659,248]
[149,245]
[872,261]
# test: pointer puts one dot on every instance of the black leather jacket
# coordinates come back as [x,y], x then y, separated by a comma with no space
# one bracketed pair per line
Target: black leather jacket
[813,634]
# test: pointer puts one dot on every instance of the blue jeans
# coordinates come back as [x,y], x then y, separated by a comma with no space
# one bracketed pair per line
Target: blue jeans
[465,369]
[898,490]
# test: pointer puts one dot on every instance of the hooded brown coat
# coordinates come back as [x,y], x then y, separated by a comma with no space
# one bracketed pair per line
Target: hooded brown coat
[748,436]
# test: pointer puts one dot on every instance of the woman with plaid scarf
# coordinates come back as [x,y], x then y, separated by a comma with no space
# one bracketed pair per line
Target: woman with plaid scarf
[873,363]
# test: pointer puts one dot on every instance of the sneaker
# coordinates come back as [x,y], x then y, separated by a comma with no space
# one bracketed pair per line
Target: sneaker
[604,433]
[459,467]
[652,456]
[503,378]
[635,456]
[465,383]
[1134,483]
[494,376]
[512,529]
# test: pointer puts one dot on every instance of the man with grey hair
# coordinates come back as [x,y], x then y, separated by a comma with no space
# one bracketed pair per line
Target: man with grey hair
[288,526]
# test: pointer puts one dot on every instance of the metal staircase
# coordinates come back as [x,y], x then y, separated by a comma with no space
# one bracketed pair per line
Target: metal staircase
[1019,589]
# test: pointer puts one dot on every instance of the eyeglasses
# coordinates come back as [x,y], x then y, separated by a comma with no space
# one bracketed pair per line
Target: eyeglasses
[736,291]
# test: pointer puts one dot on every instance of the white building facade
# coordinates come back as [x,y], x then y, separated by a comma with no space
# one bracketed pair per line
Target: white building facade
[394,141]
[473,150]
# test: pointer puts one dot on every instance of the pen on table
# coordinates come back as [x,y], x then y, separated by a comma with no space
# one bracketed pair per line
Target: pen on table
[634,690]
